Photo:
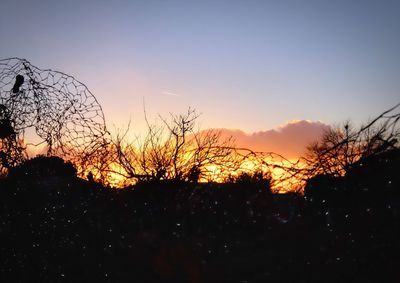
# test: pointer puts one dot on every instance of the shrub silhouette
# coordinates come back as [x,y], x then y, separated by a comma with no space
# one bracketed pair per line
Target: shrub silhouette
[377,173]
[43,167]
[257,178]
[370,184]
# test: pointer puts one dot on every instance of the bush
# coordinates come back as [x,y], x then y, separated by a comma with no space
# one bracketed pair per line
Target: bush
[42,167]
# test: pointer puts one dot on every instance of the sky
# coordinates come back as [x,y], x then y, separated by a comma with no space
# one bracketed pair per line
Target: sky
[247,65]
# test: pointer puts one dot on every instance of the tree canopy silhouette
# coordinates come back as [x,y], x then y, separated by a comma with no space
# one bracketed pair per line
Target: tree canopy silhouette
[342,148]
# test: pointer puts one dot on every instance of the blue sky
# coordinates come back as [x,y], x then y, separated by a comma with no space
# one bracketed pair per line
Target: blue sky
[250,65]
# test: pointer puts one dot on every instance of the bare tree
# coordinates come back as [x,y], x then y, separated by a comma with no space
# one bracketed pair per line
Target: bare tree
[341,147]
[173,150]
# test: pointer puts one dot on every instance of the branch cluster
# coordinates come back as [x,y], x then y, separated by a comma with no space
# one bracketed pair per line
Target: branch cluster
[342,147]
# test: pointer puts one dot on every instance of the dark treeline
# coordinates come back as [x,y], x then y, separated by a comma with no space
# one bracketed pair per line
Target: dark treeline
[56,227]
[170,227]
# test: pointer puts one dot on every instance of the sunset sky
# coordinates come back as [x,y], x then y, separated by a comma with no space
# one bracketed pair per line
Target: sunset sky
[247,65]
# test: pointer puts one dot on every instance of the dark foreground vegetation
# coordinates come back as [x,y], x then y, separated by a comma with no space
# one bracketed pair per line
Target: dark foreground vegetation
[55,227]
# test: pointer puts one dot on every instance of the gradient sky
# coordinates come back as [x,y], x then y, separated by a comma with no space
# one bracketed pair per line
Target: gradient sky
[250,65]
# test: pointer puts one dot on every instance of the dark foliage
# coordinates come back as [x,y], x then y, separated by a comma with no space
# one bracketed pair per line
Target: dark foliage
[374,175]
[42,167]
[170,231]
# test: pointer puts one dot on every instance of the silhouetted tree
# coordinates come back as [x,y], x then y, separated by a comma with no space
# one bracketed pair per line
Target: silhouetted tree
[173,150]
[342,147]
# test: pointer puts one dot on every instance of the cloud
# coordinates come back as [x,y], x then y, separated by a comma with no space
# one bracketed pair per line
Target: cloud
[289,140]
[170,93]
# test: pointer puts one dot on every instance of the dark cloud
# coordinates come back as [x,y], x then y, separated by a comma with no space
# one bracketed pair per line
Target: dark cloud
[289,140]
